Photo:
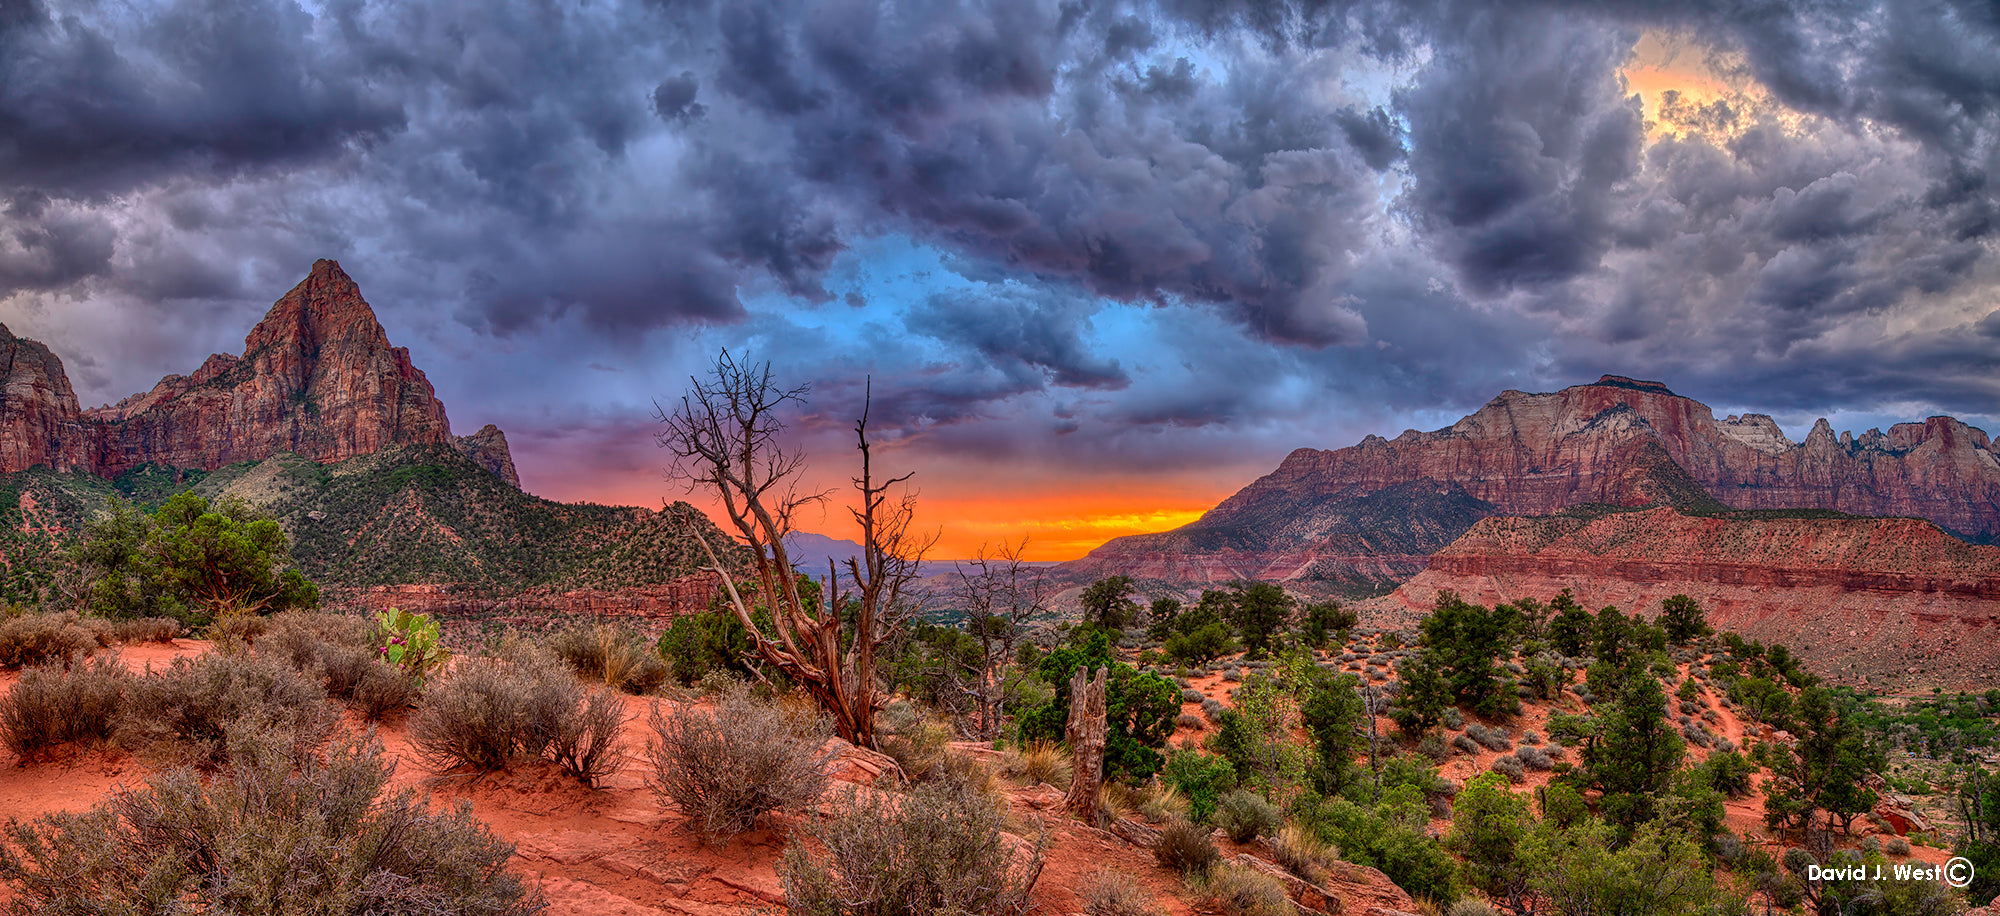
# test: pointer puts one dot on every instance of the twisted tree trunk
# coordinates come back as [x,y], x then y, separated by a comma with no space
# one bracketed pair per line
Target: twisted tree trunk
[1085,732]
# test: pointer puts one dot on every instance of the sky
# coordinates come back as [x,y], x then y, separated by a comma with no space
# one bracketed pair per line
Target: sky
[1099,263]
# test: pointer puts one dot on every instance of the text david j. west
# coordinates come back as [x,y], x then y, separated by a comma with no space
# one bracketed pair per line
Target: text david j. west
[1902,871]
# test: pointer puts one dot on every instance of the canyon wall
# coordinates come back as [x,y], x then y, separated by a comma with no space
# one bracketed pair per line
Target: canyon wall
[1878,601]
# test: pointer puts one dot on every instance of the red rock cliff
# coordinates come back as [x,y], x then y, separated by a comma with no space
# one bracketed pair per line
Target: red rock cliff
[39,420]
[1881,598]
[317,378]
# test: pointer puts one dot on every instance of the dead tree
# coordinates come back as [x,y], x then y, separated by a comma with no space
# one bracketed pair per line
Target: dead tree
[1085,733]
[725,437]
[1002,594]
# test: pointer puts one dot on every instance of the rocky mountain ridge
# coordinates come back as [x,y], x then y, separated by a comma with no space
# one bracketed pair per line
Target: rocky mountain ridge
[318,378]
[1375,510]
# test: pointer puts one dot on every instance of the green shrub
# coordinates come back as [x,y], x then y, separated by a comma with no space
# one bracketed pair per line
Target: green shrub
[1203,778]
[1245,815]
[282,835]
[724,769]
[1139,708]
[52,704]
[939,849]
[1186,848]
[486,715]
[696,645]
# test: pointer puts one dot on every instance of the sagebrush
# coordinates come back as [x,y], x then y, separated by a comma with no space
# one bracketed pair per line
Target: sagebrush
[938,849]
[283,834]
[53,704]
[726,768]
[195,702]
[488,714]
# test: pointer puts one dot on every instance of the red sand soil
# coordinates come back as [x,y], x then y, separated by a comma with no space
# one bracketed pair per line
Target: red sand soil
[612,851]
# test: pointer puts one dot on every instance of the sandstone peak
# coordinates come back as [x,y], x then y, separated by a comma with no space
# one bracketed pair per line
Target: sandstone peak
[323,308]
[488,449]
[317,378]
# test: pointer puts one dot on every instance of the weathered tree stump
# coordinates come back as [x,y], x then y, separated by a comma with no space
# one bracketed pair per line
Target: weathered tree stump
[1085,732]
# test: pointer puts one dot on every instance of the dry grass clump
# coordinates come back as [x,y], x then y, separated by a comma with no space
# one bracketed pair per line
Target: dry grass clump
[195,702]
[1108,893]
[1238,891]
[53,704]
[146,629]
[1161,802]
[282,834]
[488,714]
[231,631]
[916,741]
[1185,848]
[612,656]
[1302,852]
[724,769]
[935,850]
[1041,762]
[36,639]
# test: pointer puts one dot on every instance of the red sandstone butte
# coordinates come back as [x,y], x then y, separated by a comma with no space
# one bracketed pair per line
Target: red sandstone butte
[317,378]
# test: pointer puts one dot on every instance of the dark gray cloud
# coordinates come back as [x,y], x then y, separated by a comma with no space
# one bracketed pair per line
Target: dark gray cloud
[93,105]
[1513,179]
[1024,332]
[1163,218]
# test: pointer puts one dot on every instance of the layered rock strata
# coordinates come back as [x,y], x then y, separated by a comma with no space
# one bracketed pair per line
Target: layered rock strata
[317,378]
[1617,441]
[1882,601]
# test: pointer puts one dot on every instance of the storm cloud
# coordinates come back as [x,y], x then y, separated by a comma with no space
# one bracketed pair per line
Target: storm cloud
[1110,232]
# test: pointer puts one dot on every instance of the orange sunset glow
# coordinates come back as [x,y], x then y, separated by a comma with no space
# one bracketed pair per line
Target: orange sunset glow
[1678,80]
[1060,518]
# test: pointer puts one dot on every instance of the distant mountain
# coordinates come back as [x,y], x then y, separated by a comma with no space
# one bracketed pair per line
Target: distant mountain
[317,378]
[810,552]
[1369,515]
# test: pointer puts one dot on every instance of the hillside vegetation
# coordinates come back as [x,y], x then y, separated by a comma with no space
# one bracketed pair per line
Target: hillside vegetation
[414,514]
